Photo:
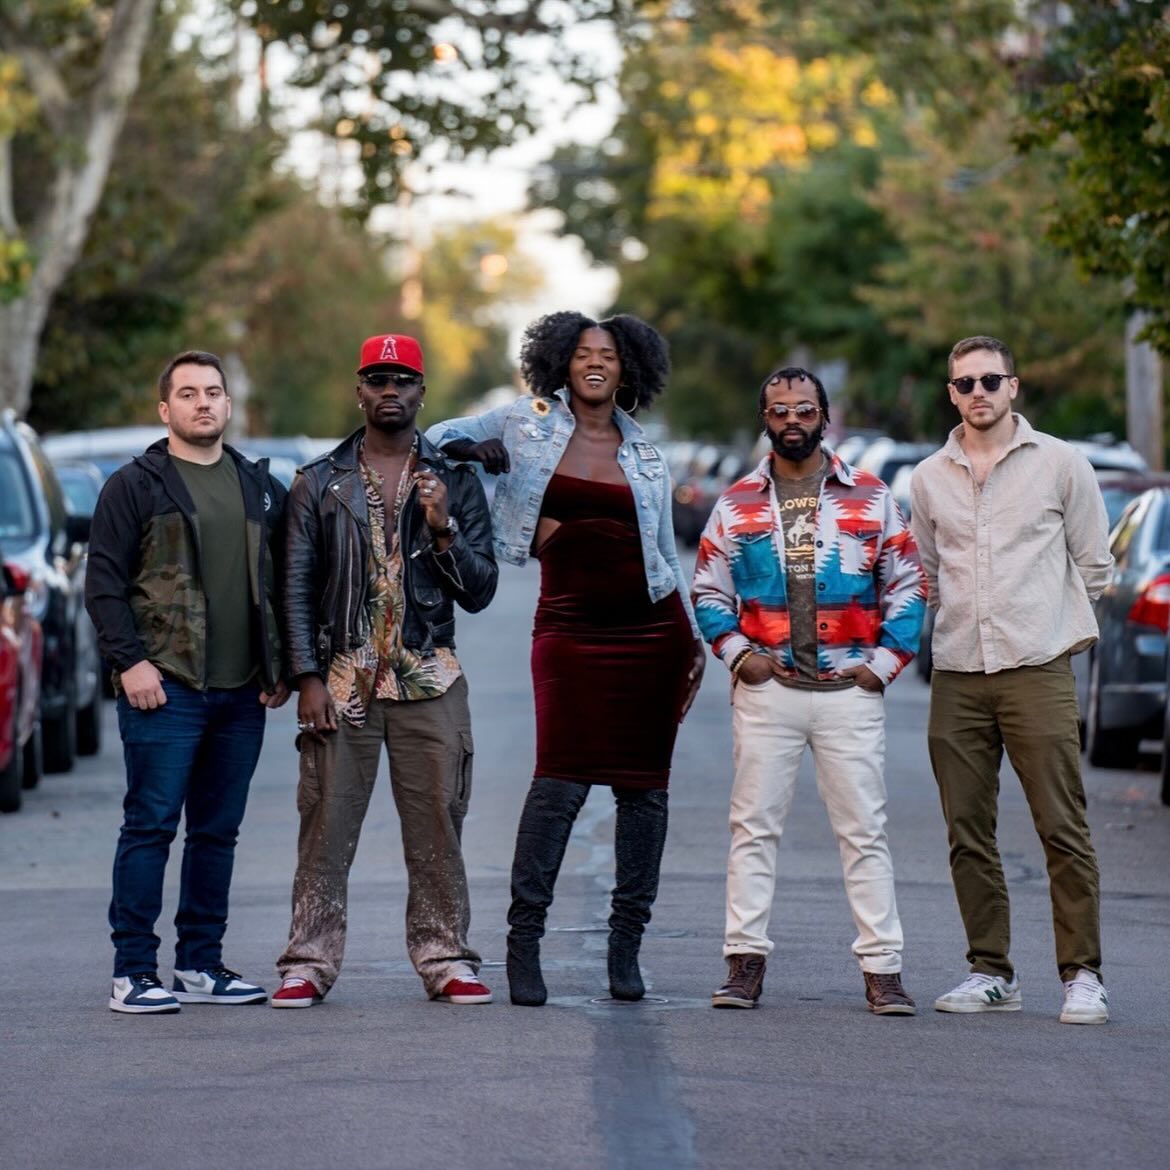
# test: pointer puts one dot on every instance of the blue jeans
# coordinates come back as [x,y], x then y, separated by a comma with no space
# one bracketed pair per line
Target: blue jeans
[198,750]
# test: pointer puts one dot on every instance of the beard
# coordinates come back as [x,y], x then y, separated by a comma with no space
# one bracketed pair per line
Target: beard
[793,451]
[199,438]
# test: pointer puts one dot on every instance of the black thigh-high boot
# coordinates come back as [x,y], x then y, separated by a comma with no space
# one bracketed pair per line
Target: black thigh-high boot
[550,809]
[639,839]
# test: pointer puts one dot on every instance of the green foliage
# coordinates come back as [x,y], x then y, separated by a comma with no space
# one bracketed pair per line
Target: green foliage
[300,313]
[187,185]
[16,267]
[975,259]
[299,295]
[956,57]
[467,274]
[731,196]
[1103,85]
[408,78]
[763,197]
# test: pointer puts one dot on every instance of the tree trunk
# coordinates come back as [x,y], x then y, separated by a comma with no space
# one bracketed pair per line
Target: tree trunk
[1143,393]
[58,235]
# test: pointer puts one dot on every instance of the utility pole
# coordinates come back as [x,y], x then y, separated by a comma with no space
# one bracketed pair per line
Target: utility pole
[1143,393]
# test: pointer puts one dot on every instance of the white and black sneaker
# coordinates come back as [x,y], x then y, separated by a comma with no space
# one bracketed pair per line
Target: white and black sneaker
[140,994]
[215,985]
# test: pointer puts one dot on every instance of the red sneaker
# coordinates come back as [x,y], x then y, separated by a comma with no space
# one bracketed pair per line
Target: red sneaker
[468,990]
[296,993]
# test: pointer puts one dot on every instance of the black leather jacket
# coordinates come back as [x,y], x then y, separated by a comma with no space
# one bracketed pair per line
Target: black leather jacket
[327,559]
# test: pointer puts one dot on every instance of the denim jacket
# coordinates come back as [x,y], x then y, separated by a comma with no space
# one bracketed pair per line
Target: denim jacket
[536,432]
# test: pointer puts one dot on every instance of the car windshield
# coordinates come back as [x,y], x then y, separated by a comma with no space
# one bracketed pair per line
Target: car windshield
[1115,500]
[17,522]
[81,489]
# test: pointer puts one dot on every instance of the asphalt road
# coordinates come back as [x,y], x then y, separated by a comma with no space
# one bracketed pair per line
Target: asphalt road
[380,1077]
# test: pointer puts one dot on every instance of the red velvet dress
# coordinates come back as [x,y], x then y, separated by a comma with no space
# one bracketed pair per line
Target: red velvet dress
[609,666]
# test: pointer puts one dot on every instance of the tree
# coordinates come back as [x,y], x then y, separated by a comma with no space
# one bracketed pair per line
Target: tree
[1103,86]
[428,79]
[975,258]
[188,184]
[302,313]
[70,68]
[731,196]
[400,80]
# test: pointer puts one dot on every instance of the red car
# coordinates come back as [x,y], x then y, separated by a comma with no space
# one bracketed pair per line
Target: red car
[20,689]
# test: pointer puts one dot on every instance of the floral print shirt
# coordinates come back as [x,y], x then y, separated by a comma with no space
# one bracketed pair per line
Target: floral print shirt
[382,667]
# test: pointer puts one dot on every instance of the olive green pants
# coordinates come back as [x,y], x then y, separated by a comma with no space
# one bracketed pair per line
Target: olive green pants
[1032,713]
[430,749]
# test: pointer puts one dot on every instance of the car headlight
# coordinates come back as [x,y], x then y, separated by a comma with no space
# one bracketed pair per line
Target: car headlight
[37,594]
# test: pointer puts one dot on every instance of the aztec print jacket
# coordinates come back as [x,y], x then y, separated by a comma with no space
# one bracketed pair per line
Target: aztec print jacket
[870,588]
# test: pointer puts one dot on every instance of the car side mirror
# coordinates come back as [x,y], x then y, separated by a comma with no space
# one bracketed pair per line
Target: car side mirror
[77,529]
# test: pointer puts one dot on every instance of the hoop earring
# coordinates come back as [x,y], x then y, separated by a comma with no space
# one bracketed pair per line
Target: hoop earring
[632,398]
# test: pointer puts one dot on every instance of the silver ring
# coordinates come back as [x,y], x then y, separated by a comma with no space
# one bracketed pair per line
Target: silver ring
[309,726]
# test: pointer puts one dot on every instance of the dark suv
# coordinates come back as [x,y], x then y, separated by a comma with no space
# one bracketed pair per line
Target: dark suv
[40,535]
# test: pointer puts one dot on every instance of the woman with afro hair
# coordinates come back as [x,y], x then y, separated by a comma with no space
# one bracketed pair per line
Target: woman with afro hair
[616,653]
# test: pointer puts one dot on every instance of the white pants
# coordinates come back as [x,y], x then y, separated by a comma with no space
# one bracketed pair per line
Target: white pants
[846,731]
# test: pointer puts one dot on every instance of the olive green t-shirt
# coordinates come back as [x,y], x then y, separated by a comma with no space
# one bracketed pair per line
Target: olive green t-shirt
[223,564]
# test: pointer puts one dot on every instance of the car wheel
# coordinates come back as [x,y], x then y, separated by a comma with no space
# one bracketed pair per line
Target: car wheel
[89,728]
[34,764]
[12,775]
[1106,748]
[59,737]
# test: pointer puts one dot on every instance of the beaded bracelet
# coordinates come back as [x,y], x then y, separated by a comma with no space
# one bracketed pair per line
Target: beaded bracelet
[739,660]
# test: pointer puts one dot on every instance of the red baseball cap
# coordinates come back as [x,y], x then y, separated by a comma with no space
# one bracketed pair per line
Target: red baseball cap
[391,349]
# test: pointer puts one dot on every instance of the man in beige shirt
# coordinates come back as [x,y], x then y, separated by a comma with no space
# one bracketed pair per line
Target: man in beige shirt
[1012,532]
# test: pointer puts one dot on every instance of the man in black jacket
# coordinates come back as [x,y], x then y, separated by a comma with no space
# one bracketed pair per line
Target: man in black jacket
[180,586]
[384,536]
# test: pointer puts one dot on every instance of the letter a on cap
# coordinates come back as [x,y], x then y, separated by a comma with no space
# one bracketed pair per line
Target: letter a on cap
[389,350]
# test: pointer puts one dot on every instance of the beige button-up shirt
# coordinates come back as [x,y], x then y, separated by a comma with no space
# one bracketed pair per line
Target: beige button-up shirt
[1013,566]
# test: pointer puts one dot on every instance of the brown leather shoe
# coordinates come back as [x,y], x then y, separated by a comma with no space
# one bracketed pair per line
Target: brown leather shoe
[886,996]
[745,981]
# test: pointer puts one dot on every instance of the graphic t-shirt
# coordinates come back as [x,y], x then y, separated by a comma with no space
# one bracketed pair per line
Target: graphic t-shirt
[798,499]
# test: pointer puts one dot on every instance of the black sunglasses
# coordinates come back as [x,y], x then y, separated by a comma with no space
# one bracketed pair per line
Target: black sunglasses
[378,381]
[989,382]
[804,411]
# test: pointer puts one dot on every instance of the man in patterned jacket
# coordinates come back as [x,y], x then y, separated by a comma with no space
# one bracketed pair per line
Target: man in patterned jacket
[809,588]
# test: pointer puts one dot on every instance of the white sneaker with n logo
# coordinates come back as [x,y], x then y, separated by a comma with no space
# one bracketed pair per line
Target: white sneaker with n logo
[1085,1001]
[982,993]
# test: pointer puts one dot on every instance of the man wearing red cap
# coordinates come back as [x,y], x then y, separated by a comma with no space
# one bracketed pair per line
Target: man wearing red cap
[384,536]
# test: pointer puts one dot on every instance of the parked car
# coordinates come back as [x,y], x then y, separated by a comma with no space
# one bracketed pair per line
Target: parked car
[1122,690]
[82,483]
[1105,453]
[108,448]
[43,538]
[1119,487]
[884,457]
[105,448]
[710,471]
[20,688]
